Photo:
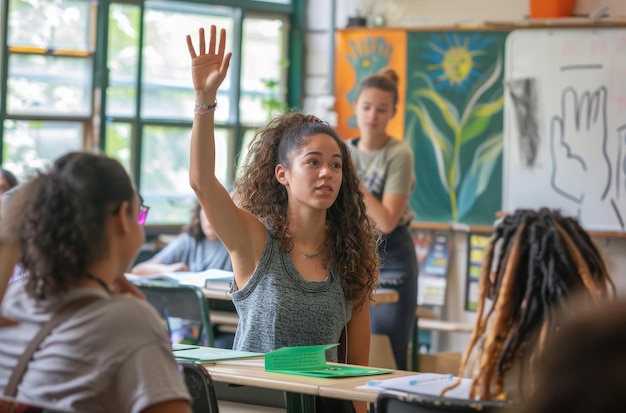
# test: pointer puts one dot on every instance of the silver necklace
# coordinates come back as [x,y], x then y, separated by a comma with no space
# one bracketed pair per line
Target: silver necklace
[309,256]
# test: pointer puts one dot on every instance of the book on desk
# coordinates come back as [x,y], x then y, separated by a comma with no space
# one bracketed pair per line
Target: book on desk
[209,354]
[212,279]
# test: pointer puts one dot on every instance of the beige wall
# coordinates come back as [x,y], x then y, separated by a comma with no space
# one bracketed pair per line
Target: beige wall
[412,13]
[408,13]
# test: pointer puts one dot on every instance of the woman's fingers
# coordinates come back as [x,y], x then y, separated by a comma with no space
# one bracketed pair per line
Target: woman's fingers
[212,39]
[222,45]
[192,51]
[202,46]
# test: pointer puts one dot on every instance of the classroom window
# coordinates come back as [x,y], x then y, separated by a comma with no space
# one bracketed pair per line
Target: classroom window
[32,145]
[71,85]
[165,171]
[119,143]
[262,69]
[167,88]
[122,59]
[49,85]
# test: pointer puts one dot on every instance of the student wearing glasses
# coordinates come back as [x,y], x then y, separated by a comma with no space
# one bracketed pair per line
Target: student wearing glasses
[79,226]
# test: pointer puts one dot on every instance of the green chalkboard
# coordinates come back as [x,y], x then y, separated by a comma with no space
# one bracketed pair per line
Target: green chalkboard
[454,124]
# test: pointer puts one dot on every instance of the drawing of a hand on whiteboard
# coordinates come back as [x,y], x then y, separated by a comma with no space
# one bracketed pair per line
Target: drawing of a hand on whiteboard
[581,168]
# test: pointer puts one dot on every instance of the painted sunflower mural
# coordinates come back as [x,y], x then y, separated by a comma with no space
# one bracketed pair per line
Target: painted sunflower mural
[454,123]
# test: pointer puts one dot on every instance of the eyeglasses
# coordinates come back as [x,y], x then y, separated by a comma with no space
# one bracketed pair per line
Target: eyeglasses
[143,214]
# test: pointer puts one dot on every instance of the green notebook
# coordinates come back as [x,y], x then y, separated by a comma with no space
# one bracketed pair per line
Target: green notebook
[210,354]
[311,361]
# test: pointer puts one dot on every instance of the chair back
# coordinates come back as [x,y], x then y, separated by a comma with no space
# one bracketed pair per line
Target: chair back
[184,309]
[200,387]
[11,405]
[393,401]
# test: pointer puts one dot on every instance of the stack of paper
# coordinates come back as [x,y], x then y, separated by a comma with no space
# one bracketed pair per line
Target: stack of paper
[213,278]
[424,383]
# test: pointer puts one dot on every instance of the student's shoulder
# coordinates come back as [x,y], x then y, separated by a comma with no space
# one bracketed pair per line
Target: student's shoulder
[399,147]
[129,313]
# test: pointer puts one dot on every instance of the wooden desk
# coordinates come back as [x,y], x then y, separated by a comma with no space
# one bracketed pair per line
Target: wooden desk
[251,372]
[443,326]
[381,295]
[229,318]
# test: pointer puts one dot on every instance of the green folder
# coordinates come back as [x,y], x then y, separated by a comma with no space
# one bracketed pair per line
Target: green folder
[211,354]
[311,361]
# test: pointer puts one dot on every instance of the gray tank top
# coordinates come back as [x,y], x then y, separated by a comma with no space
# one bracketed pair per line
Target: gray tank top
[278,308]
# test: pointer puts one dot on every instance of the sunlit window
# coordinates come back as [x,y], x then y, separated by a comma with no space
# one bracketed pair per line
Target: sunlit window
[123,59]
[167,88]
[126,88]
[262,70]
[165,171]
[29,146]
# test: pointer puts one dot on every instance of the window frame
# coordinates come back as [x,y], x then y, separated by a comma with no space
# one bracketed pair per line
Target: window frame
[95,123]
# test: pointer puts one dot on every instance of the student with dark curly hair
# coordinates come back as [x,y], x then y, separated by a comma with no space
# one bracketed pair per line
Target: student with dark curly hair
[303,249]
[536,263]
[78,228]
[197,249]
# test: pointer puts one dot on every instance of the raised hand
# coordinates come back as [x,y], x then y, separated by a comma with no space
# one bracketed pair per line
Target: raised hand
[208,68]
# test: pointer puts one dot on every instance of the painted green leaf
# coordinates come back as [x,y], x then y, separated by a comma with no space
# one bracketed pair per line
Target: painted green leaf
[475,181]
[442,147]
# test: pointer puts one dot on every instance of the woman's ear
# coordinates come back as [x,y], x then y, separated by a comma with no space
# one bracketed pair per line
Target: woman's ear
[123,218]
[280,172]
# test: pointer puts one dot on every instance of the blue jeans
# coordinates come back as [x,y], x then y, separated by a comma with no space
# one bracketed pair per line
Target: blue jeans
[399,272]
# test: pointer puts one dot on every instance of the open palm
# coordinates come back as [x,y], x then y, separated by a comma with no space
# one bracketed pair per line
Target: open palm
[208,67]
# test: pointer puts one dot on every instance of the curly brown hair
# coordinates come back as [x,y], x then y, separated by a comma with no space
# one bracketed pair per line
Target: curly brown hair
[194,227]
[62,220]
[352,238]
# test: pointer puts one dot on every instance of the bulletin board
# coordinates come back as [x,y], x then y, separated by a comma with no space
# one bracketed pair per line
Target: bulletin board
[477,248]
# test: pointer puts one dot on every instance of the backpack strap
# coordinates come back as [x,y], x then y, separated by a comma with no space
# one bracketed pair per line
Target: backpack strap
[65,312]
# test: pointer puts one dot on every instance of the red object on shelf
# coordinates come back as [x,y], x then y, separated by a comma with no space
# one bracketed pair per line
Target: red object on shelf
[551,8]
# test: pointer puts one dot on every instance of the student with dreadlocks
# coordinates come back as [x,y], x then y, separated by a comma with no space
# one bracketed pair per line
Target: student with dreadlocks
[536,262]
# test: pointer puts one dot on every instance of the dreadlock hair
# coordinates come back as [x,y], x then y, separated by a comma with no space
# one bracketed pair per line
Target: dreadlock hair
[351,245]
[540,260]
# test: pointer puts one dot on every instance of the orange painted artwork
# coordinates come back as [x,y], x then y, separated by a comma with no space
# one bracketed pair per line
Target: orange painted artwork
[360,53]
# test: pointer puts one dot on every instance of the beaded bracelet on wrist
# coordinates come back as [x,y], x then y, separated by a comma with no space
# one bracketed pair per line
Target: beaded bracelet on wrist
[202,108]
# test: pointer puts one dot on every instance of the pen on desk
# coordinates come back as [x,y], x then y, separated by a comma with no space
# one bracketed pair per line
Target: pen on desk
[417,382]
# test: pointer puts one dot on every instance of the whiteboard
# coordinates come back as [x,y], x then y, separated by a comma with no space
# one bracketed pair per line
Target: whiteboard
[565,124]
